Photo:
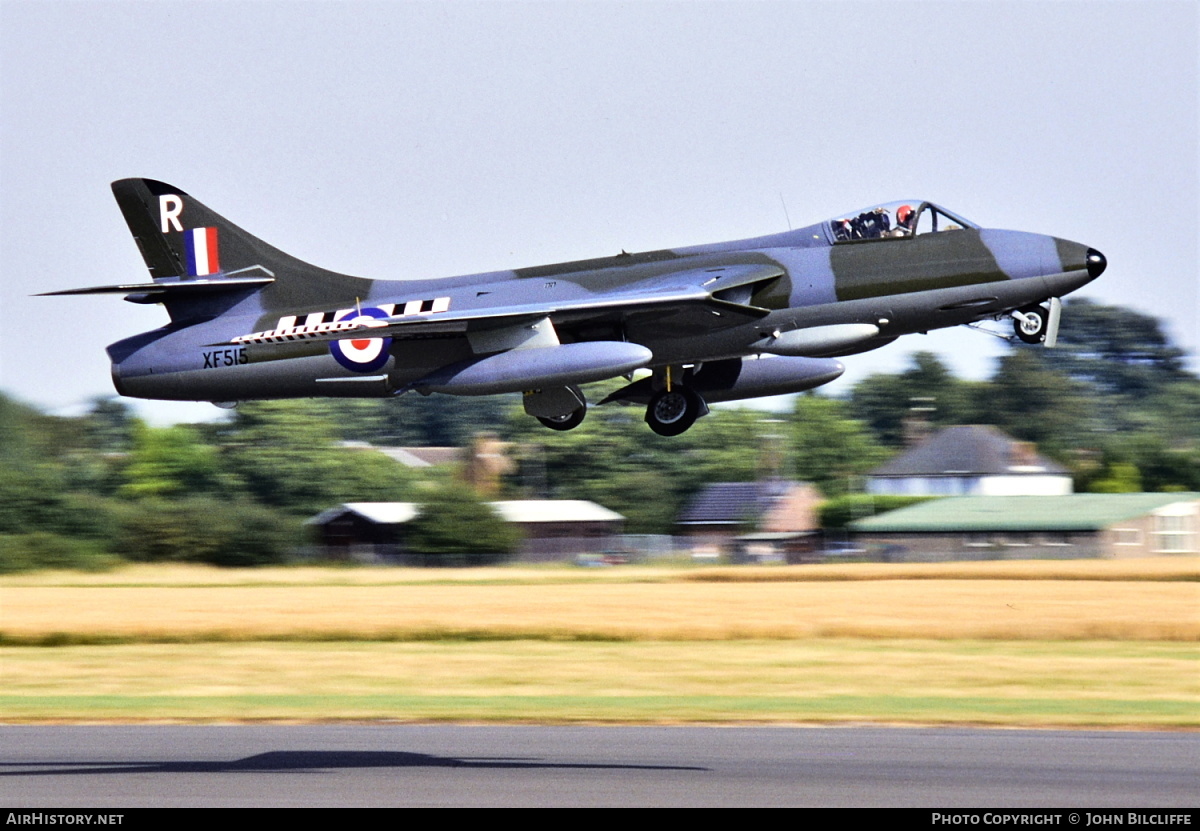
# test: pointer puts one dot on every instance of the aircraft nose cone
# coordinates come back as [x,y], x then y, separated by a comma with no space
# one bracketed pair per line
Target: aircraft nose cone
[1096,263]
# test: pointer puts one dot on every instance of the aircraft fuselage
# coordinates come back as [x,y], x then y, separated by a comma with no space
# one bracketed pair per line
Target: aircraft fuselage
[249,322]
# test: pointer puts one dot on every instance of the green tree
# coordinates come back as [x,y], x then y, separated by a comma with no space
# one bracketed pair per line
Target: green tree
[1121,477]
[44,521]
[926,391]
[455,527]
[110,426]
[39,549]
[1141,461]
[170,461]
[1029,399]
[1116,350]
[832,450]
[286,454]
[432,421]
[206,530]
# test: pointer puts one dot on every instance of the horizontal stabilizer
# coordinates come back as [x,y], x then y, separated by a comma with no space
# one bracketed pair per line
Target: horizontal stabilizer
[165,288]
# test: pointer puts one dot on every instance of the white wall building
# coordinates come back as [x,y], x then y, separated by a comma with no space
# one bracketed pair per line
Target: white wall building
[970,461]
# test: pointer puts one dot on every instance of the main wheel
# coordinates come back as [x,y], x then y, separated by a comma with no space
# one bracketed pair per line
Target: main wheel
[671,413]
[565,422]
[1031,328]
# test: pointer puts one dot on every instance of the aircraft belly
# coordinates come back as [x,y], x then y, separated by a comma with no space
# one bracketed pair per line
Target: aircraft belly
[962,304]
[192,371]
[727,343]
[894,315]
[912,312]
[294,378]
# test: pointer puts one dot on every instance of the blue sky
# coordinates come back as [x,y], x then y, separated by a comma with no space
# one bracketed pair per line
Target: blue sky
[406,140]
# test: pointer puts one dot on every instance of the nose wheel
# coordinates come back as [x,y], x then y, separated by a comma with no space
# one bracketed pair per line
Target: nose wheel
[673,411]
[1031,323]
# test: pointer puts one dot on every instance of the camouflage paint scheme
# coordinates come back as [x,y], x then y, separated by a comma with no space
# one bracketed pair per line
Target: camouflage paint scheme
[712,322]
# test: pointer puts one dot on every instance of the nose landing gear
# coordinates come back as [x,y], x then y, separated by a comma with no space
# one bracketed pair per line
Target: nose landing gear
[1037,324]
[1030,323]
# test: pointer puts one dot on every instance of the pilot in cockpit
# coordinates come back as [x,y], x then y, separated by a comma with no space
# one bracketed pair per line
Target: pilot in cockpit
[906,217]
[871,224]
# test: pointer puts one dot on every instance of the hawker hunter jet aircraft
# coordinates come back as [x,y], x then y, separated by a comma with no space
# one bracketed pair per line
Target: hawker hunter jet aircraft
[710,323]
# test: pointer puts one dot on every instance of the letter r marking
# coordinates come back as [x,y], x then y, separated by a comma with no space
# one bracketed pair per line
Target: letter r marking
[170,207]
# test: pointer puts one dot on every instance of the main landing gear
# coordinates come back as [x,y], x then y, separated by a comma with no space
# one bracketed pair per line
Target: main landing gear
[674,408]
[559,408]
[568,421]
[673,411]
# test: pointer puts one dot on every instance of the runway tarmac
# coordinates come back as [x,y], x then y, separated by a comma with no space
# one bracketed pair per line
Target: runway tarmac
[398,765]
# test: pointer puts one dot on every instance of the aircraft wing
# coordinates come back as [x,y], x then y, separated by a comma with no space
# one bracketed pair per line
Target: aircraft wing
[684,301]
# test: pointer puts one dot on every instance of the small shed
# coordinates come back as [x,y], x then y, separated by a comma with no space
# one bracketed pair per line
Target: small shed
[365,531]
[553,529]
[557,529]
[1081,525]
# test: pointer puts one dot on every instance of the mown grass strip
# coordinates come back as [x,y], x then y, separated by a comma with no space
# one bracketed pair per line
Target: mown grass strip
[1032,683]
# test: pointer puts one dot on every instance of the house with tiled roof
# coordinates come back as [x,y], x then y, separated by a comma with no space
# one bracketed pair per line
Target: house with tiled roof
[970,461]
[769,516]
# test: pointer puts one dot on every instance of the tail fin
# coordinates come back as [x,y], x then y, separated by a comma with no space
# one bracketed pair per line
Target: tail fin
[179,237]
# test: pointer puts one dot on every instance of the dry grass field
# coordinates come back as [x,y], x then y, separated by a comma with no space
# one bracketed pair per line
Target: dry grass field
[1031,643]
[1024,600]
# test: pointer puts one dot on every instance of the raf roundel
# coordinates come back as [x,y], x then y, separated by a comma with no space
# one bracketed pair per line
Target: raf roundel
[362,354]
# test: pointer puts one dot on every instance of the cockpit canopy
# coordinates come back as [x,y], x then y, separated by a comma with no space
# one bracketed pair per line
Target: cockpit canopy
[895,219]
